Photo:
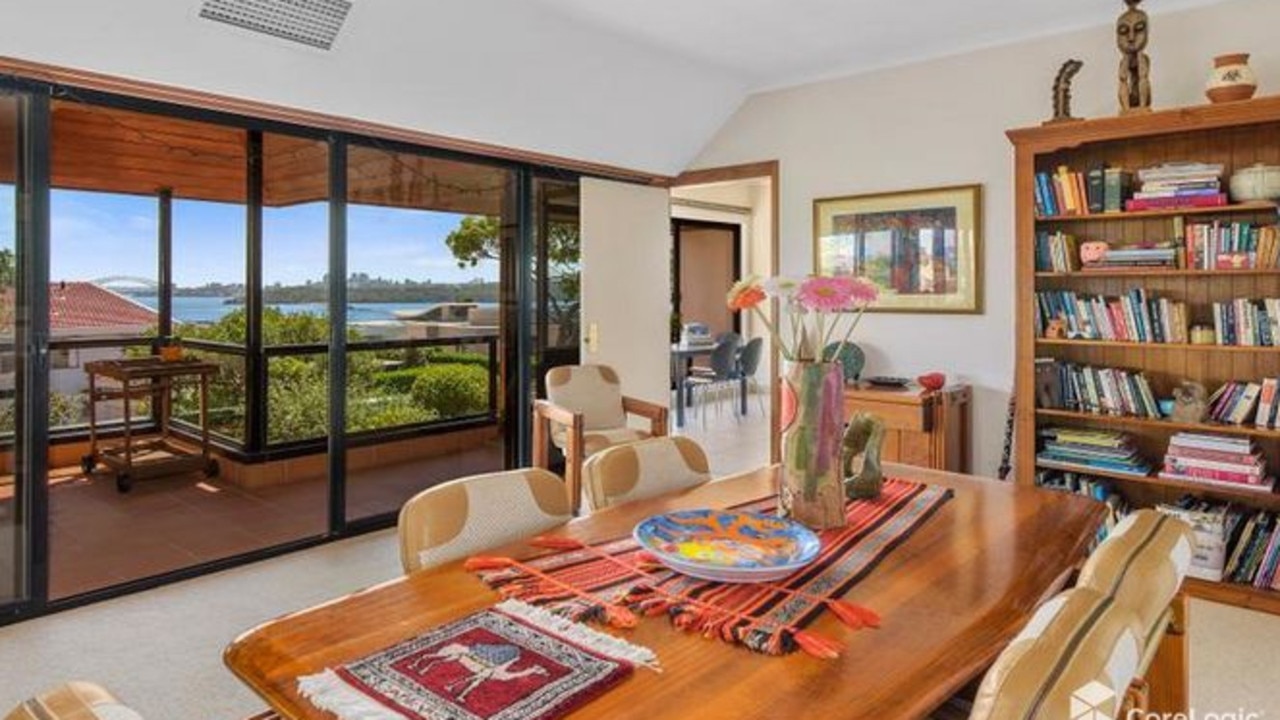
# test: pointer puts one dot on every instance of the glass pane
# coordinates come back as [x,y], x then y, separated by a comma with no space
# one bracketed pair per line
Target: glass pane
[426,239]
[295,242]
[557,274]
[12,530]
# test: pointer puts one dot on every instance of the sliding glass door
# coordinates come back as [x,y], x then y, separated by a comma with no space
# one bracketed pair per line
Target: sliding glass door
[14,494]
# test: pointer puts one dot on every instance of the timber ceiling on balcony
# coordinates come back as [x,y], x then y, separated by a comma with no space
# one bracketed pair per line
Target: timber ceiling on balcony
[120,151]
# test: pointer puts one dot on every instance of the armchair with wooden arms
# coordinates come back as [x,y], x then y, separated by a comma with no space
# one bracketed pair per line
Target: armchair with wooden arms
[585,412]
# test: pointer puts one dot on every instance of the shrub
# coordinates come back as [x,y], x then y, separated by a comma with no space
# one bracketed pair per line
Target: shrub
[439,356]
[453,390]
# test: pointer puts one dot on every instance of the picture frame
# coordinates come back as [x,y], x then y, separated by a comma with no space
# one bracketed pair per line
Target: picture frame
[921,248]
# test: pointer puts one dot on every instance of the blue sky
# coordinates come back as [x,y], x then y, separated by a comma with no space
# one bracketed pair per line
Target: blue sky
[98,235]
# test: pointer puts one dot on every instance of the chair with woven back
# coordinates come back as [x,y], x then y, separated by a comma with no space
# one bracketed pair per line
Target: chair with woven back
[643,469]
[75,700]
[461,517]
[586,412]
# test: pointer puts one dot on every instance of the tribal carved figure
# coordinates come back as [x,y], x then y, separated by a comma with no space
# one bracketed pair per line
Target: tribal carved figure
[1135,65]
[1062,90]
[863,477]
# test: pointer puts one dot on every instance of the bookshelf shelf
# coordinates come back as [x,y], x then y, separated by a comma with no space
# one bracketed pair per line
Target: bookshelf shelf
[1249,207]
[1182,347]
[1165,425]
[1160,273]
[1235,136]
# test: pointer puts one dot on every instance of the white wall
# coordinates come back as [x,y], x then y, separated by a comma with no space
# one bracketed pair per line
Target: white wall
[942,122]
[626,284]
[496,71]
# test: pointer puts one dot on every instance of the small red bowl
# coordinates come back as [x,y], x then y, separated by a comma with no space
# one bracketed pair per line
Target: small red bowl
[932,381]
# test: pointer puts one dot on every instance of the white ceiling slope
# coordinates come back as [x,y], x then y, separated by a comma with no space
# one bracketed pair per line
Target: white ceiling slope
[642,84]
[776,43]
[505,72]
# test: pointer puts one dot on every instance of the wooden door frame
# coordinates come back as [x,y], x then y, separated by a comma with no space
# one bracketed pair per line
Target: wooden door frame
[765,169]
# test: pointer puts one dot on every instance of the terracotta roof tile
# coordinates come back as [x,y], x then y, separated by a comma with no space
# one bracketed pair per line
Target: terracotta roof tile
[81,305]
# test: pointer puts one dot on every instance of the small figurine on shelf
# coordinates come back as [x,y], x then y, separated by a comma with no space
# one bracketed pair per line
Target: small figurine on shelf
[1094,252]
[1189,402]
[1062,92]
[1056,329]
[863,477]
[1135,65]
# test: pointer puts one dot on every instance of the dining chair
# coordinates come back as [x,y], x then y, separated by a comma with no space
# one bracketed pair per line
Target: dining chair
[643,469]
[1079,646]
[1141,566]
[723,372]
[749,364]
[463,516]
[76,700]
[586,412]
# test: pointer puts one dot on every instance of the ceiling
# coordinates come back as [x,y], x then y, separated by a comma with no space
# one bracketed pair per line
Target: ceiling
[774,43]
[640,84]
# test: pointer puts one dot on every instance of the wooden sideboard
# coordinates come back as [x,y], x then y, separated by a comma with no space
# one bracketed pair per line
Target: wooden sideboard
[922,428]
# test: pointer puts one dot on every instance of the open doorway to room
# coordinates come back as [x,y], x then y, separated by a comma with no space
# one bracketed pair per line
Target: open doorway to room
[723,228]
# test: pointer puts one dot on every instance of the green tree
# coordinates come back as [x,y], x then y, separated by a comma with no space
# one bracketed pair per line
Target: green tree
[478,237]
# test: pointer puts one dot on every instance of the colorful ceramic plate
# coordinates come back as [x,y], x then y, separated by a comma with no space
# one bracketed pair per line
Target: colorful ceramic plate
[728,546]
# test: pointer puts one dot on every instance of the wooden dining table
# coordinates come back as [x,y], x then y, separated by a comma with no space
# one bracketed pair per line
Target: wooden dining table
[951,596]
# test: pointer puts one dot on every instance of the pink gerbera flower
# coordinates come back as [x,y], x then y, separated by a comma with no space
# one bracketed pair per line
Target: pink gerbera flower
[863,291]
[827,294]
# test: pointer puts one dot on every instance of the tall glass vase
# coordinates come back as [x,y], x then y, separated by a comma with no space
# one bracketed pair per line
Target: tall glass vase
[812,489]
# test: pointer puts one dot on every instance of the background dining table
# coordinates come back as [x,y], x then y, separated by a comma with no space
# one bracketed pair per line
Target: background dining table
[951,596]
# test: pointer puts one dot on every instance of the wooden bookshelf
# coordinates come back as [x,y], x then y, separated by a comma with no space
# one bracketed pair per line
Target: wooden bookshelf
[1237,135]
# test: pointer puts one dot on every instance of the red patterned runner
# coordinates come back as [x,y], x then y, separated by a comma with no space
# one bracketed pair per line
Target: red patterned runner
[512,662]
[605,581]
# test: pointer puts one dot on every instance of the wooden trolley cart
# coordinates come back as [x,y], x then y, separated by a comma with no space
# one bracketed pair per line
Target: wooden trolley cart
[141,455]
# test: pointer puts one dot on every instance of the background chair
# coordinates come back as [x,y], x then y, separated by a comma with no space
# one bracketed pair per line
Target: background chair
[749,365]
[723,371]
[643,469]
[75,700]
[585,412]
[461,517]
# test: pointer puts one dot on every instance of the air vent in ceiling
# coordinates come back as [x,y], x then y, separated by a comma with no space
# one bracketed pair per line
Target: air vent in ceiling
[310,22]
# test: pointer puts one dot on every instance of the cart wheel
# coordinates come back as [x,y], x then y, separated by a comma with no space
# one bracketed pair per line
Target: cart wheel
[211,469]
[124,483]
[87,464]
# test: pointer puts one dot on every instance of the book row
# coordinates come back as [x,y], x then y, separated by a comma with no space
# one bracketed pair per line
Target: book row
[1229,246]
[1132,317]
[1216,460]
[1247,322]
[1064,385]
[1241,403]
[1233,544]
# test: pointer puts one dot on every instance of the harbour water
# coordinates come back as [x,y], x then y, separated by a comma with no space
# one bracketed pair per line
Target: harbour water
[211,309]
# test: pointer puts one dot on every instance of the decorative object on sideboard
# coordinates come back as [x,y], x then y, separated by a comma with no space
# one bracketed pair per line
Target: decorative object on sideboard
[1232,79]
[1062,92]
[1094,252]
[921,248]
[850,356]
[1256,182]
[1190,402]
[888,381]
[932,382]
[812,391]
[860,457]
[1132,35]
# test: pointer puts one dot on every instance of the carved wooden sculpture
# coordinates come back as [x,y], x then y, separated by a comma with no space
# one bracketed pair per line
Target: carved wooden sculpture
[1062,91]
[1135,66]
[863,477]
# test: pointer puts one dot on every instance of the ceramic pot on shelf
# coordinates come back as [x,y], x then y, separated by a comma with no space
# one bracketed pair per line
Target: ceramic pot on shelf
[1232,79]
[812,485]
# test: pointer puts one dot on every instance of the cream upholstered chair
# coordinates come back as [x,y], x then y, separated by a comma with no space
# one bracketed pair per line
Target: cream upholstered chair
[460,517]
[1079,646]
[584,413]
[1141,566]
[75,700]
[643,469]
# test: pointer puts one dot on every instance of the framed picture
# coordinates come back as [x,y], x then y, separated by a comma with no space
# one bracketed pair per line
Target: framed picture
[922,248]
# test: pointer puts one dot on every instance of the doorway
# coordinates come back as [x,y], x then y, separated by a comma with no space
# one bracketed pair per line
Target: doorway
[706,260]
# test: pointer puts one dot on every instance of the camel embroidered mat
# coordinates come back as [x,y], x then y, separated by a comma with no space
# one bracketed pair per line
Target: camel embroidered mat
[511,662]
[613,581]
